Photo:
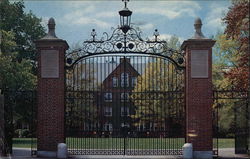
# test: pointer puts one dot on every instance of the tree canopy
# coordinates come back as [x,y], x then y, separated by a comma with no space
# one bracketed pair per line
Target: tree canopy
[237,29]
[18,30]
[157,96]
[231,62]
[17,56]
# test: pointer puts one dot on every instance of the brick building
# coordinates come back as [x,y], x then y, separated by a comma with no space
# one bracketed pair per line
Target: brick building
[115,103]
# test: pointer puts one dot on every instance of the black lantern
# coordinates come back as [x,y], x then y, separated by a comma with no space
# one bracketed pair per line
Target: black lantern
[125,18]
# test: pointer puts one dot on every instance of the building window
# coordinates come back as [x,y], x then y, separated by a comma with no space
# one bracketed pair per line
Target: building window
[125,125]
[87,126]
[134,81]
[107,111]
[124,111]
[124,80]
[115,81]
[124,97]
[108,97]
[108,127]
[141,127]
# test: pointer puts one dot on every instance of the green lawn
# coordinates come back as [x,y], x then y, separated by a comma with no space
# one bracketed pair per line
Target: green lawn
[118,143]
[24,142]
[225,143]
[129,143]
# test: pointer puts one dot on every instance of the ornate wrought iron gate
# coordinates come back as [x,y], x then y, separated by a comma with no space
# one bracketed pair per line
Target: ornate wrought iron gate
[125,95]
[119,107]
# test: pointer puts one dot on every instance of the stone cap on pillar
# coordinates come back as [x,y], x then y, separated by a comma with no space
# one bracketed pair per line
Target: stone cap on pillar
[51,33]
[198,40]
[197,26]
[50,38]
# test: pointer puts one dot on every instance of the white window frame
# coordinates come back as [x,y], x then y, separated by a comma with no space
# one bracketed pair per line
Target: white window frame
[108,97]
[124,77]
[134,81]
[107,111]
[125,125]
[108,127]
[124,97]
[115,82]
[123,111]
[141,125]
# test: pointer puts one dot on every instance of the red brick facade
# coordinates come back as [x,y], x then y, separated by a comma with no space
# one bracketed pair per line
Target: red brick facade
[116,103]
[50,126]
[199,99]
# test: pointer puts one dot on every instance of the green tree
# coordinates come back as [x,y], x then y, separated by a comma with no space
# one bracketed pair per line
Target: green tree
[225,51]
[174,43]
[157,94]
[26,28]
[231,65]
[18,56]
[82,89]
[14,74]
[18,30]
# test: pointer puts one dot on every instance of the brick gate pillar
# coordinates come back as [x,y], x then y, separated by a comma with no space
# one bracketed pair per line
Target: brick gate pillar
[198,52]
[50,112]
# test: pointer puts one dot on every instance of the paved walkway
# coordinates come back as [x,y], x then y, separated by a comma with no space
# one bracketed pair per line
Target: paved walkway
[24,153]
[228,153]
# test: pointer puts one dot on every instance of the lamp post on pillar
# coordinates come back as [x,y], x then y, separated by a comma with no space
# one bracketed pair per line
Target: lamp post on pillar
[50,117]
[198,52]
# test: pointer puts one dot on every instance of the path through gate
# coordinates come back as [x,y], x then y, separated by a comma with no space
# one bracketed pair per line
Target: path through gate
[125,96]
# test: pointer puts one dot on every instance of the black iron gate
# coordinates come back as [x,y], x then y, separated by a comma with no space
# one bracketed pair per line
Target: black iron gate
[231,127]
[241,127]
[131,105]
[125,95]
[19,115]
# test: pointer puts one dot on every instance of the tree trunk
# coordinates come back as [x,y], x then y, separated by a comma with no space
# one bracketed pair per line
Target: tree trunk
[2,145]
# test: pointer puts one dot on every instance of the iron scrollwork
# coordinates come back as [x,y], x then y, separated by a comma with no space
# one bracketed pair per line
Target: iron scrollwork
[125,43]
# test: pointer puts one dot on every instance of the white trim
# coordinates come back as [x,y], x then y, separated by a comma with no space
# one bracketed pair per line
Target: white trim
[124,111]
[115,82]
[107,111]
[124,77]
[108,97]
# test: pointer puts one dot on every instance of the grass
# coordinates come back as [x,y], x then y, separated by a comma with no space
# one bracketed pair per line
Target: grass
[24,142]
[118,143]
[225,143]
[129,143]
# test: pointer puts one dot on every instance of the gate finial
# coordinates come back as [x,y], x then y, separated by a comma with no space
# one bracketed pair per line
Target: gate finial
[197,26]
[125,3]
[51,29]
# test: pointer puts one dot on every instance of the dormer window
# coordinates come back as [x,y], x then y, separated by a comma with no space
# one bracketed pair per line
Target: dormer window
[115,82]
[124,80]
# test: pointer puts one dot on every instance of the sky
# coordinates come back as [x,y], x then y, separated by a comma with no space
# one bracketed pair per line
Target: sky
[76,19]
